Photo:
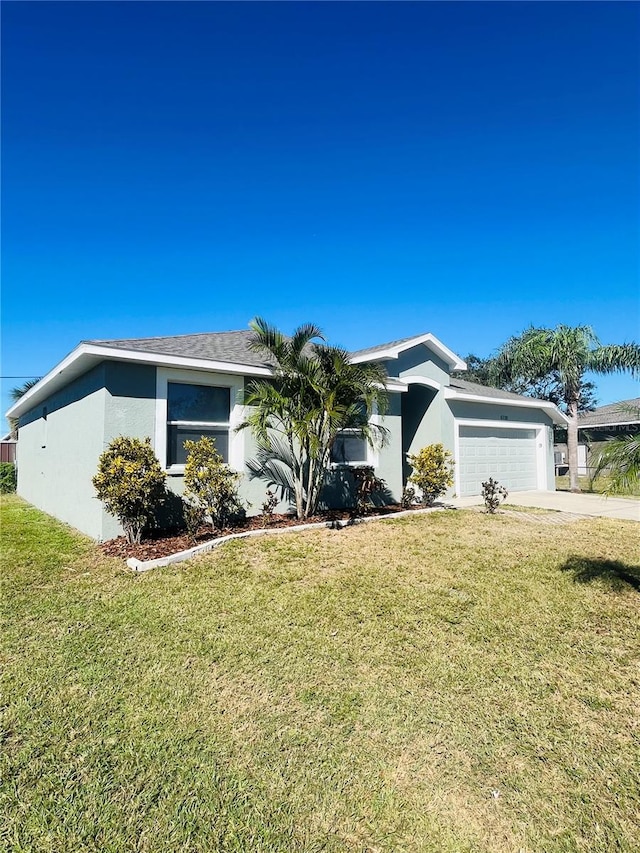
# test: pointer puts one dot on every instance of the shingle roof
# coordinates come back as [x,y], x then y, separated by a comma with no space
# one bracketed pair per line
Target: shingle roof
[614,413]
[231,347]
[383,347]
[485,390]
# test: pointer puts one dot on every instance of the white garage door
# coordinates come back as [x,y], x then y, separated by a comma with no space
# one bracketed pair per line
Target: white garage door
[507,455]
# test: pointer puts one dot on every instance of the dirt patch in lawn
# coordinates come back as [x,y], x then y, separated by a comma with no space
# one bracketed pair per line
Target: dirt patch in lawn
[162,544]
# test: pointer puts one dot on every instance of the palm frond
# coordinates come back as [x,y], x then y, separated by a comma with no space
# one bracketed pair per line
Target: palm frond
[267,339]
[620,459]
[20,390]
[303,336]
[315,393]
[616,358]
[274,464]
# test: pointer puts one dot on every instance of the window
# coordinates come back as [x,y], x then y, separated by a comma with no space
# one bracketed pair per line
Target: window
[194,411]
[349,448]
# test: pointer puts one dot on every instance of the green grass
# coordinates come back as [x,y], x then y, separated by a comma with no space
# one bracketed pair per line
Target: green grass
[528,510]
[357,690]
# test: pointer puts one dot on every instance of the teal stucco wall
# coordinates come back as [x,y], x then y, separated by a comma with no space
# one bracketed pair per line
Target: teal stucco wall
[60,441]
[498,412]
[59,444]
[419,361]
[426,418]
[130,392]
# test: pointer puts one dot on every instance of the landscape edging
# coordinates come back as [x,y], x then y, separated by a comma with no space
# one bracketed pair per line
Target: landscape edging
[180,556]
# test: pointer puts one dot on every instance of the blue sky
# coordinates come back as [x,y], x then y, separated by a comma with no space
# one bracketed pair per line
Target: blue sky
[381,169]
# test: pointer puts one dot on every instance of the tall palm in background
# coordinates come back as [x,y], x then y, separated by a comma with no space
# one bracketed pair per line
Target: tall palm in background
[569,353]
[297,415]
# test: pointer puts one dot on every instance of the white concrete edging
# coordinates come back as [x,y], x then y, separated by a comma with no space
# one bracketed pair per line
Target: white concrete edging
[180,556]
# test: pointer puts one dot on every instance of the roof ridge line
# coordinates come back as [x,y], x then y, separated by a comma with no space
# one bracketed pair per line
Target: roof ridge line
[166,337]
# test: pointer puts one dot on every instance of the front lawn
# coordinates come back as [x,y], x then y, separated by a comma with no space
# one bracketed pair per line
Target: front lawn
[449,682]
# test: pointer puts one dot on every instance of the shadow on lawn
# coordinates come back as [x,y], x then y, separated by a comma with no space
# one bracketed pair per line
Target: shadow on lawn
[614,572]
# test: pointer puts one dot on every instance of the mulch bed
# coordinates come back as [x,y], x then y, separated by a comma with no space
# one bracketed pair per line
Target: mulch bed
[162,544]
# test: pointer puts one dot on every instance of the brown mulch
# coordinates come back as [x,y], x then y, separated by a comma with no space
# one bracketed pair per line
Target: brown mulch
[162,544]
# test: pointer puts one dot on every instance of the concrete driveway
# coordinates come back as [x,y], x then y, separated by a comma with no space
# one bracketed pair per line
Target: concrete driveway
[579,504]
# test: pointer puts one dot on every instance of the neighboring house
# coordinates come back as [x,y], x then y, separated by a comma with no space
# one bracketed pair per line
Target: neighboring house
[597,427]
[8,448]
[176,388]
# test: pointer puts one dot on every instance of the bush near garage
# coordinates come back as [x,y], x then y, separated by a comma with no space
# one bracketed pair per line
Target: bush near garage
[432,471]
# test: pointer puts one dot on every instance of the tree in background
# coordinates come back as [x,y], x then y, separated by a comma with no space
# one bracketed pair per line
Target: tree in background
[549,387]
[16,394]
[620,460]
[478,370]
[565,353]
[297,414]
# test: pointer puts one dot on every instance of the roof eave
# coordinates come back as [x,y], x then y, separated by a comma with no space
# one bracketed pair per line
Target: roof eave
[552,410]
[448,356]
[86,355]
[607,425]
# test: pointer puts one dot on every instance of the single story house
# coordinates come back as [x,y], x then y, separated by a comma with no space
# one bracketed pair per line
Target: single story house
[597,427]
[177,388]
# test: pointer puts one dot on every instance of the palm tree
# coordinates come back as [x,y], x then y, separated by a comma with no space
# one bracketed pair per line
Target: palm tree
[297,415]
[20,390]
[620,459]
[567,352]
[483,372]
[15,394]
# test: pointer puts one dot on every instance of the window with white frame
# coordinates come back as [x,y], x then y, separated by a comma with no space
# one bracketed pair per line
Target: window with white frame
[349,448]
[194,411]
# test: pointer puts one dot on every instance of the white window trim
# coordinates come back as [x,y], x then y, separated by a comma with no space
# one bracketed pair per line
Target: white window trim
[372,453]
[211,424]
[541,439]
[164,375]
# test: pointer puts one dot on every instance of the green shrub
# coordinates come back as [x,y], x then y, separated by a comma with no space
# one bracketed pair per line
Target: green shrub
[130,483]
[408,498]
[193,518]
[366,485]
[7,477]
[492,494]
[210,484]
[432,471]
[268,507]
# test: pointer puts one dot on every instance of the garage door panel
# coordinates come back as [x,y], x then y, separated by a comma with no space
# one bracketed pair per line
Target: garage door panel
[509,455]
